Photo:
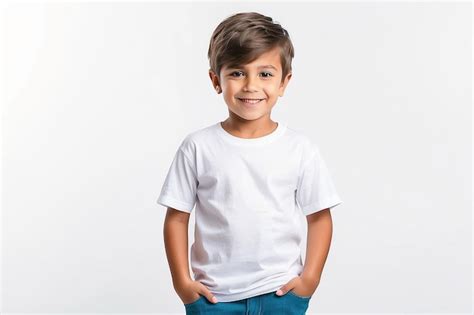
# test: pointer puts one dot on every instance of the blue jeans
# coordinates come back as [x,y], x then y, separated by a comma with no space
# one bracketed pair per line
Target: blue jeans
[265,304]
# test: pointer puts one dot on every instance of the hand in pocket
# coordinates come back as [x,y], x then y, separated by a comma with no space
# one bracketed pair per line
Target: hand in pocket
[190,291]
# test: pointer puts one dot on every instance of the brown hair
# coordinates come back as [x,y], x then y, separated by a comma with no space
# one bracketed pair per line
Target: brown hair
[243,37]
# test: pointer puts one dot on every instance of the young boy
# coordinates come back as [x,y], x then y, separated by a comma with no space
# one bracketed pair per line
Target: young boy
[251,179]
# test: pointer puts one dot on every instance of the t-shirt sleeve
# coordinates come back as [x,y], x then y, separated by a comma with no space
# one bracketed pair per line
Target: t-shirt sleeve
[179,187]
[316,190]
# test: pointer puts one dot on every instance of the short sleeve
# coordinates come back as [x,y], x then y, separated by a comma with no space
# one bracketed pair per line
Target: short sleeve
[179,187]
[316,190]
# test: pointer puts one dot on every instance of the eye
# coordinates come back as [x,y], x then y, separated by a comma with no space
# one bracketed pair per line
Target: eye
[269,74]
[232,74]
[266,74]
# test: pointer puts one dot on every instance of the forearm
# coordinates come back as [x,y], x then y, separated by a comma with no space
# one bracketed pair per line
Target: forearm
[175,232]
[318,243]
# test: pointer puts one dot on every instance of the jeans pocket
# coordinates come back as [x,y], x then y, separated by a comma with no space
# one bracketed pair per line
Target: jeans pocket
[298,296]
[200,297]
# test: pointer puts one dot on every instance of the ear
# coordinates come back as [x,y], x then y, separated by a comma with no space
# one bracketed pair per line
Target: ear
[284,84]
[214,79]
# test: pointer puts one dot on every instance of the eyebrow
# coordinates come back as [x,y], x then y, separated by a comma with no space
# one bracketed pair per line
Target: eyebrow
[259,67]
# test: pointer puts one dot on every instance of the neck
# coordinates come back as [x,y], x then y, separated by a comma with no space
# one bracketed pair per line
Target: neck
[249,128]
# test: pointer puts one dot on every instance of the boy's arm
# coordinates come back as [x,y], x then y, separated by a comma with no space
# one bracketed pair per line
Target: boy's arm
[318,243]
[175,232]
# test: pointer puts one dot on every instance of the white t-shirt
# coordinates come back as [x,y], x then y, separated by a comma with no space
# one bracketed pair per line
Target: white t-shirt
[250,197]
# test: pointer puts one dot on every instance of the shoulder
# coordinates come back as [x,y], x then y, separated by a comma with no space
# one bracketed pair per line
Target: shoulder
[306,144]
[197,138]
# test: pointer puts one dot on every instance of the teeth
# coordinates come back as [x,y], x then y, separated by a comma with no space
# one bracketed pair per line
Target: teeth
[251,101]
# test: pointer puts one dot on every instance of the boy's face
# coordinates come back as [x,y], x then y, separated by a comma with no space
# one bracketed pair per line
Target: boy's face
[256,81]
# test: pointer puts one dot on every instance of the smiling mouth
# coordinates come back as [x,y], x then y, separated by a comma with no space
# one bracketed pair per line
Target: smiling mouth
[251,100]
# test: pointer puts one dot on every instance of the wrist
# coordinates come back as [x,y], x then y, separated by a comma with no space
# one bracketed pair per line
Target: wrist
[311,276]
[182,281]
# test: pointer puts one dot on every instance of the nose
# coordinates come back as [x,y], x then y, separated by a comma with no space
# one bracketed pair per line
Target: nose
[251,84]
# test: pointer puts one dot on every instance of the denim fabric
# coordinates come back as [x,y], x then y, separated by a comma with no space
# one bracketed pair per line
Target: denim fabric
[265,304]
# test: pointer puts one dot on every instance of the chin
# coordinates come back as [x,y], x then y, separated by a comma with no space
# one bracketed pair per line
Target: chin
[249,116]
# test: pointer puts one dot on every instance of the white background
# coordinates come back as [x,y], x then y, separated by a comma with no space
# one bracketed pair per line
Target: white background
[97,98]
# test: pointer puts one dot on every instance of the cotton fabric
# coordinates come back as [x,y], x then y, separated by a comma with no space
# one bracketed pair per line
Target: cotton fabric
[249,197]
